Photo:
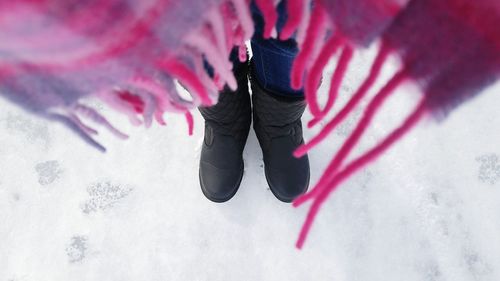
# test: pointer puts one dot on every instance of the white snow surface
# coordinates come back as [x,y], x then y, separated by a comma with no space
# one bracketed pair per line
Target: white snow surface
[428,209]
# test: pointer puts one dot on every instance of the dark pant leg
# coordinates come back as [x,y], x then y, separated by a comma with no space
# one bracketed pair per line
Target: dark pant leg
[272,58]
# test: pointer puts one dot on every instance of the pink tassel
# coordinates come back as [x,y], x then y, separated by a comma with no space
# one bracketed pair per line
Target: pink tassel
[357,164]
[356,98]
[135,101]
[177,69]
[217,25]
[204,42]
[304,24]
[243,13]
[269,14]
[240,42]
[303,59]
[115,100]
[207,81]
[190,121]
[230,21]
[218,81]
[337,78]
[353,139]
[158,93]
[295,12]
[242,53]
[314,76]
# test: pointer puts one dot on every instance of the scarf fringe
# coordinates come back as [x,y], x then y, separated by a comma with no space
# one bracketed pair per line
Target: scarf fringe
[141,99]
[309,65]
[147,94]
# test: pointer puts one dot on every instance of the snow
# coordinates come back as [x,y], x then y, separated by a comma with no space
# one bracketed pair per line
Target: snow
[428,209]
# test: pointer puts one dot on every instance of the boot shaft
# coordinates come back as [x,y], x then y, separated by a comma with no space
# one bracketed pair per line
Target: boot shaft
[278,126]
[231,116]
[276,116]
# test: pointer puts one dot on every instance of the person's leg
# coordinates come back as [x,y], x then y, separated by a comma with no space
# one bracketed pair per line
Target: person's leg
[226,129]
[278,110]
[273,58]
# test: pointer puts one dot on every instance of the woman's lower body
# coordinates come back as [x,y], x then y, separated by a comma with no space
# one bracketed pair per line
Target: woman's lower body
[277,110]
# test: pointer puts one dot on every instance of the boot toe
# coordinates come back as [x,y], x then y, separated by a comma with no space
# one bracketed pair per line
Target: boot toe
[288,182]
[219,185]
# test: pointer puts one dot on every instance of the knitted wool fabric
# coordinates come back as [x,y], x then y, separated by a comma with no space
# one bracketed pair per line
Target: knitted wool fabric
[54,53]
[127,53]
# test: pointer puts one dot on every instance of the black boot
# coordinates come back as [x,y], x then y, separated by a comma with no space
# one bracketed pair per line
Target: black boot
[226,130]
[279,131]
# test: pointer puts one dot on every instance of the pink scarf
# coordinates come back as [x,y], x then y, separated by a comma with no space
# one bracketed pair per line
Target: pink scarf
[128,53]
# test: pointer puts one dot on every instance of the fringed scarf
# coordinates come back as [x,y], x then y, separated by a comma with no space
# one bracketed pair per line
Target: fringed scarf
[53,53]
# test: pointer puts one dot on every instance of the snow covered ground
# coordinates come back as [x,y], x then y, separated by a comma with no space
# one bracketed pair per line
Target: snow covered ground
[428,209]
